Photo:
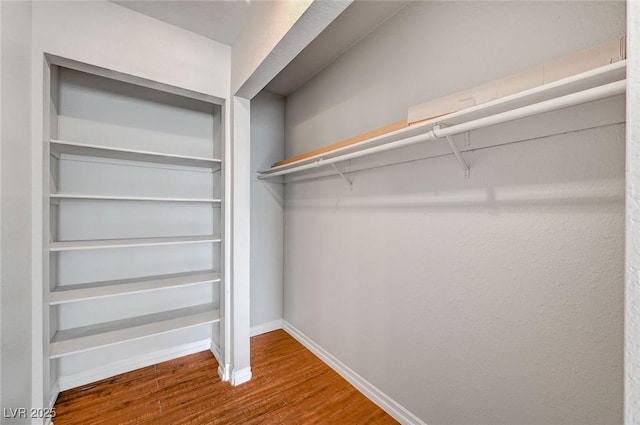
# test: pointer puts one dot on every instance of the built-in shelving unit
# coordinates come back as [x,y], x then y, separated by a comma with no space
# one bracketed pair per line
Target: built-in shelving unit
[135,234]
[590,86]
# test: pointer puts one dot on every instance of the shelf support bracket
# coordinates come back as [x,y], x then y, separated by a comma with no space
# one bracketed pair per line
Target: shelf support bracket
[345,178]
[461,161]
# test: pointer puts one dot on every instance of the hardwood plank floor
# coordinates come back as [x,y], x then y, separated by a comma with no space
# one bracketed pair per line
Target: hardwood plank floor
[290,386]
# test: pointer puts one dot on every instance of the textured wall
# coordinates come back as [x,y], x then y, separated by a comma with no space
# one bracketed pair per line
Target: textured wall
[267,209]
[495,300]
[632,301]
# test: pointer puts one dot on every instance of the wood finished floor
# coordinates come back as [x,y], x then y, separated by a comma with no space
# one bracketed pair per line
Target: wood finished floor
[289,386]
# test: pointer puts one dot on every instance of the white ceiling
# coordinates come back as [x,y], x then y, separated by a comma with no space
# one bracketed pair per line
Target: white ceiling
[223,20]
[358,20]
[219,20]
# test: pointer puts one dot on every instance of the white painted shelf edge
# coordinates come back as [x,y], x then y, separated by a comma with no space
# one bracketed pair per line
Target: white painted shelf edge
[87,149]
[125,243]
[79,196]
[599,77]
[77,340]
[91,291]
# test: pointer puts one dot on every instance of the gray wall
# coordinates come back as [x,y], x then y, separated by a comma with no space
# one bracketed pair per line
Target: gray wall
[494,300]
[267,147]
[15,278]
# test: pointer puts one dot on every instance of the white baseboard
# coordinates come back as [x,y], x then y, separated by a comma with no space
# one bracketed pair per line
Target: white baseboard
[127,365]
[55,392]
[47,420]
[223,372]
[385,402]
[215,350]
[223,369]
[240,376]
[263,328]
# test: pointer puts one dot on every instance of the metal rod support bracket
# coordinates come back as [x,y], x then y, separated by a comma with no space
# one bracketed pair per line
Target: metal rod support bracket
[345,178]
[456,152]
[461,161]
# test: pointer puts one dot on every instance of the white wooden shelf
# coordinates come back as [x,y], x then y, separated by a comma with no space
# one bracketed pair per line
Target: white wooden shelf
[77,340]
[590,86]
[74,148]
[91,291]
[125,243]
[78,196]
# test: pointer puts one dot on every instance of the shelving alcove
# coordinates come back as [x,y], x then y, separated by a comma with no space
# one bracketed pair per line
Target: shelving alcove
[134,222]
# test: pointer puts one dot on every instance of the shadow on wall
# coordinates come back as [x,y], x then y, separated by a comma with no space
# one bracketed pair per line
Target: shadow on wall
[130,105]
[569,171]
[274,190]
[608,203]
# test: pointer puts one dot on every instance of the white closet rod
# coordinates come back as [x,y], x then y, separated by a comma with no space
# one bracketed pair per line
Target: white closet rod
[573,99]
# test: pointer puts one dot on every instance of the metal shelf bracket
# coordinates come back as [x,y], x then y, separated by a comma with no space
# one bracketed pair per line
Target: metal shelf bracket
[461,161]
[345,178]
[456,152]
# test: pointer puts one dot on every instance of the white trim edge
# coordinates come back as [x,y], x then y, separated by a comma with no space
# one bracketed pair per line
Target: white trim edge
[95,374]
[240,376]
[55,392]
[385,402]
[263,328]
[215,350]
[223,372]
[223,369]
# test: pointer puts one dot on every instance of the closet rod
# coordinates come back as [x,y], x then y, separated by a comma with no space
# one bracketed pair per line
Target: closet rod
[436,132]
